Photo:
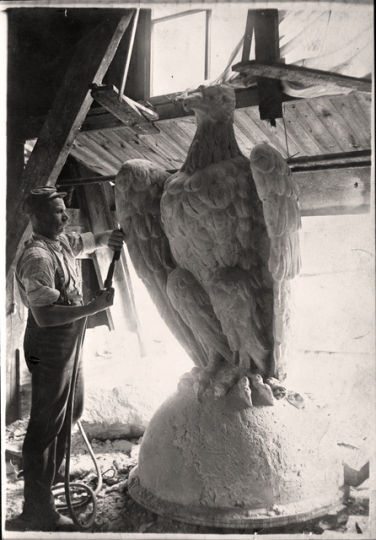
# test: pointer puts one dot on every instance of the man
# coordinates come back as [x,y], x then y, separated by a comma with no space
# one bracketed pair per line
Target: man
[49,287]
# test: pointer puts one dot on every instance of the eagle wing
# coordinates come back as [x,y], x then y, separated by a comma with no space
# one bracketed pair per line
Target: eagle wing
[280,200]
[138,190]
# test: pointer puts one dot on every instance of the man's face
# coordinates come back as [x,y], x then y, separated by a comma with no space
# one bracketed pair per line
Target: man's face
[54,218]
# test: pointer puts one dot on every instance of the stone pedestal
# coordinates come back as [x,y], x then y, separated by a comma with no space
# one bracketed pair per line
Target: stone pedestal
[219,463]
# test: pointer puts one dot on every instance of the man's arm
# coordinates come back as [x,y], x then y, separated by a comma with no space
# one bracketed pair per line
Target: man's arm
[56,315]
[112,239]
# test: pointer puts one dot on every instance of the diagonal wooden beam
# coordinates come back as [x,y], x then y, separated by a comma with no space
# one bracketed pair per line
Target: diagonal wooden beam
[89,64]
[300,74]
[126,110]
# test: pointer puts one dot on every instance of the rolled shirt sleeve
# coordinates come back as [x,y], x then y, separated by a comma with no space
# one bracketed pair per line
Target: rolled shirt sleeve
[35,273]
[81,243]
[36,277]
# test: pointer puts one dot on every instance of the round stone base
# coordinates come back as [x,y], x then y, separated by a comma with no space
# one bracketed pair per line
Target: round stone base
[219,463]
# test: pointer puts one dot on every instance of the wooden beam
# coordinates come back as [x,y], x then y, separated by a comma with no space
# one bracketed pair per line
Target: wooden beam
[343,157]
[277,71]
[329,193]
[266,29]
[167,107]
[126,110]
[138,82]
[72,102]
[74,182]
[249,27]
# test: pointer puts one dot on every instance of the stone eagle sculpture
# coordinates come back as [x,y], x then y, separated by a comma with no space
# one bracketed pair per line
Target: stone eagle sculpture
[216,244]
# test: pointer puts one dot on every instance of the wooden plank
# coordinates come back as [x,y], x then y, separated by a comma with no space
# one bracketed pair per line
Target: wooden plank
[301,111]
[118,146]
[108,97]
[249,128]
[247,43]
[101,152]
[84,155]
[173,130]
[171,146]
[271,134]
[304,140]
[266,25]
[72,102]
[334,193]
[352,114]
[292,146]
[365,101]
[335,124]
[161,148]
[139,145]
[299,74]
[188,125]
[244,143]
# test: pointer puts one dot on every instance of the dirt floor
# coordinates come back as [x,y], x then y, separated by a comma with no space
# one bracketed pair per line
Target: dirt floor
[118,512]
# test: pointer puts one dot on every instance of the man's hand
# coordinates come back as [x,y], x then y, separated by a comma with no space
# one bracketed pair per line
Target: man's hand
[112,239]
[102,301]
[116,240]
[55,315]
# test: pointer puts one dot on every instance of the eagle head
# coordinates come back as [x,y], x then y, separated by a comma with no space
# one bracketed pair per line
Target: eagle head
[211,103]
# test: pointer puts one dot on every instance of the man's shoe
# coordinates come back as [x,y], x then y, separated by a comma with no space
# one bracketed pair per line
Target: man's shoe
[64,523]
[52,522]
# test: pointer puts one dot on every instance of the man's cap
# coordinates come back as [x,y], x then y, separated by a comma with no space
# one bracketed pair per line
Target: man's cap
[38,197]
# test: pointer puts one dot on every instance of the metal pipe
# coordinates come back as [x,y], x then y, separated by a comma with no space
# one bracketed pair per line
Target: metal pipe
[128,59]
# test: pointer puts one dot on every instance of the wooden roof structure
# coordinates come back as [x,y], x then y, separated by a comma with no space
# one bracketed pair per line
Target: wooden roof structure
[87,122]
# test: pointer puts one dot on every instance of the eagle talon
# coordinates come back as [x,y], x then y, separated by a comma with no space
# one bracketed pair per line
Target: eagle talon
[278,390]
[261,393]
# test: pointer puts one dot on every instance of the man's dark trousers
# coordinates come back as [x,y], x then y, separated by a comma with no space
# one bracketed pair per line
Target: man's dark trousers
[50,354]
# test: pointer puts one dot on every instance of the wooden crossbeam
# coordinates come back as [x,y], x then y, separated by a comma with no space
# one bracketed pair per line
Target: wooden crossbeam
[167,107]
[90,62]
[277,71]
[347,192]
[342,157]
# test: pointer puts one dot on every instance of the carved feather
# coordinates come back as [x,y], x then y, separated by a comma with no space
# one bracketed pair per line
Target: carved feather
[139,185]
[215,243]
[280,199]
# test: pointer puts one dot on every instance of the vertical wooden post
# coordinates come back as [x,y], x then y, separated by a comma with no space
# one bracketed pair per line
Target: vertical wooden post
[265,23]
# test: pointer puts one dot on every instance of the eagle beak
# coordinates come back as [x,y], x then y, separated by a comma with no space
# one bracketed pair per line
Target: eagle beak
[191,97]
